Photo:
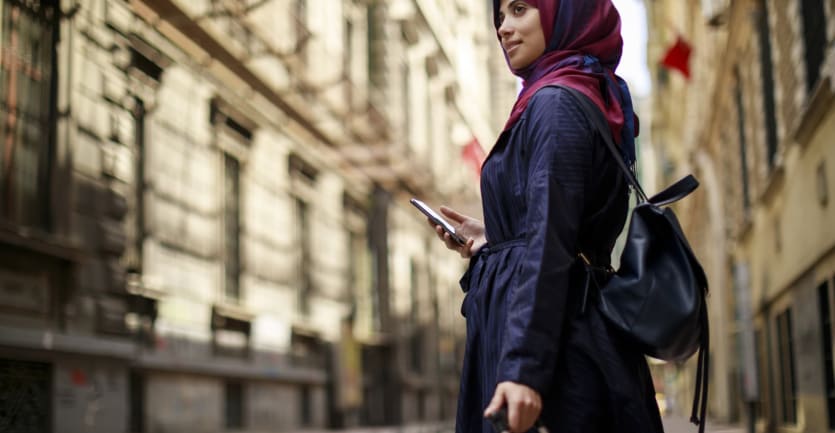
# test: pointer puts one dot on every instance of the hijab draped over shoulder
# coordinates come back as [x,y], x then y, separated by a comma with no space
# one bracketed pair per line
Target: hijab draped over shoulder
[583,48]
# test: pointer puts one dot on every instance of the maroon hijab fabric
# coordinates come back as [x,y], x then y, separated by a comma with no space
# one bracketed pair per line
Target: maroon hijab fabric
[584,47]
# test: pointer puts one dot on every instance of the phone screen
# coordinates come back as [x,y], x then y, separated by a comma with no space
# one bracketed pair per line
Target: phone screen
[438,219]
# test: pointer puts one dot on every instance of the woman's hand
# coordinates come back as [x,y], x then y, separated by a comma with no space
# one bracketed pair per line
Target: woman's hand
[470,228]
[523,405]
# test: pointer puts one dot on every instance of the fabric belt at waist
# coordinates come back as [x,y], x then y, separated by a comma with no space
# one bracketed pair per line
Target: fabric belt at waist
[490,248]
[482,255]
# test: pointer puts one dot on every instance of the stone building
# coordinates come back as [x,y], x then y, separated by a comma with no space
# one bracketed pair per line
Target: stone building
[204,217]
[755,123]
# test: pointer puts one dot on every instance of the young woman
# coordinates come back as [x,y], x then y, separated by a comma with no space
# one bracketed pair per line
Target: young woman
[550,189]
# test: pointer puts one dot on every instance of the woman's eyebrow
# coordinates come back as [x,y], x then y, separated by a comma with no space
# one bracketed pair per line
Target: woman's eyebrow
[510,4]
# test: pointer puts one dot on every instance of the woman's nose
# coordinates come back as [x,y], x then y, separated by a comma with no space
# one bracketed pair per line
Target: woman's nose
[505,29]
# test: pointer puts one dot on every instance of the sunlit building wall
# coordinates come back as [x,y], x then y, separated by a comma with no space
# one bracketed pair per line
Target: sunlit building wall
[754,124]
[204,214]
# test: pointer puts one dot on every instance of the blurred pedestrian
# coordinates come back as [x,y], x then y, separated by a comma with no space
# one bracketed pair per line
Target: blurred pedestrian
[550,189]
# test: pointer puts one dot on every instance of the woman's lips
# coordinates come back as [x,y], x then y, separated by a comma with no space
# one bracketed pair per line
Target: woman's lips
[511,47]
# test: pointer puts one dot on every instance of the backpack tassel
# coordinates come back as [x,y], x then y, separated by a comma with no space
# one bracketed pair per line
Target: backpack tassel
[700,394]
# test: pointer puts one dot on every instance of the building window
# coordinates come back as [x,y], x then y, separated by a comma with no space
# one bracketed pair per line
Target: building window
[761,406]
[376,47]
[307,348]
[767,68]
[785,349]
[416,350]
[413,290]
[406,101]
[232,227]
[416,339]
[233,135]
[234,404]
[304,277]
[28,36]
[25,396]
[231,330]
[305,406]
[135,219]
[136,390]
[359,262]
[303,181]
[142,63]
[141,318]
[743,146]
[825,303]
[814,39]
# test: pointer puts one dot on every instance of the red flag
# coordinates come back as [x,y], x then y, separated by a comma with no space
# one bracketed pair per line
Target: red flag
[78,377]
[474,155]
[678,57]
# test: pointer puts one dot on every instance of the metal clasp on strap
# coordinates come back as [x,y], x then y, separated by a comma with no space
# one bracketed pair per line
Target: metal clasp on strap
[584,258]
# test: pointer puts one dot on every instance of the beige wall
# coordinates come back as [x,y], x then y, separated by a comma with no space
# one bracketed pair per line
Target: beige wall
[784,237]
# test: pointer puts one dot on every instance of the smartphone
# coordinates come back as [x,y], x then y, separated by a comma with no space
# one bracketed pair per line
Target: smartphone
[498,420]
[438,220]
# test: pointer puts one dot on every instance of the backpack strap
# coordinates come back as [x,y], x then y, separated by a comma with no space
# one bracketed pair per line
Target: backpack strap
[595,116]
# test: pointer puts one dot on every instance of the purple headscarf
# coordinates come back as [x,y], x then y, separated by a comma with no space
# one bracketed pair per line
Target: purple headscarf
[584,47]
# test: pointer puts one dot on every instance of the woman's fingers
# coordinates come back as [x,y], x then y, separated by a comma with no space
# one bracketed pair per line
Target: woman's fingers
[453,215]
[467,249]
[451,243]
[496,402]
[523,405]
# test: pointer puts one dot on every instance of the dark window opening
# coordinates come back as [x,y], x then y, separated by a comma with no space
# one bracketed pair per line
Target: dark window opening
[405,95]
[307,349]
[135,219]
[27,111]
[376,47]
[416,350]
[305,279]
[760,406]
[743,145]
[231,121]
[306,406]
[25,396]
[232,227]
[828,360]
[233,137]
[136,416]
[414,290]
[301,169]
[785,347]
[145,65]
[230,334]
[421,403]
[234,405]
[814,39]
[767,67]
[142,317]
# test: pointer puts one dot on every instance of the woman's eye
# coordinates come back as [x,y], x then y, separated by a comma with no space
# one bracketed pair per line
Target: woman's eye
[518,9]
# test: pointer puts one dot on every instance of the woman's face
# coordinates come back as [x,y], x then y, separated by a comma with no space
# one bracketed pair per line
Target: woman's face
[520,32]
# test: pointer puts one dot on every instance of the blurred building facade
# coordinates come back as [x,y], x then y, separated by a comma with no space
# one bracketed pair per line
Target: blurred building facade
[755,123]
[204,217]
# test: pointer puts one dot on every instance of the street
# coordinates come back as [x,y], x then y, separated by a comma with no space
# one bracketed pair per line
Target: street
[677,424]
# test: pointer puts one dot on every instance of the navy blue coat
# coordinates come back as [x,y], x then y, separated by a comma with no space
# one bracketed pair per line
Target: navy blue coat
[550,188]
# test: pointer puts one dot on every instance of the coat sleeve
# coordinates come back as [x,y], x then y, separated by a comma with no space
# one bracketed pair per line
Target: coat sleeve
[559,141]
